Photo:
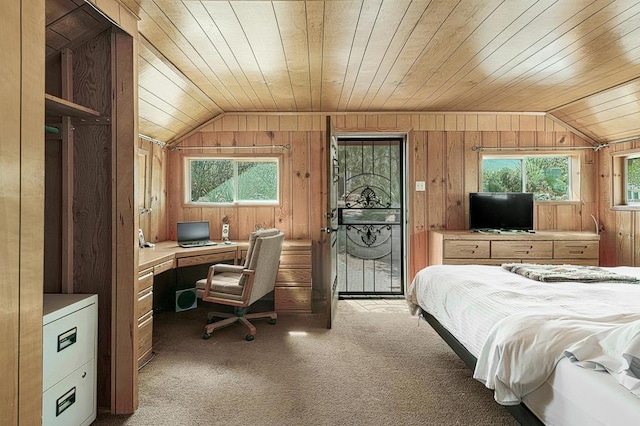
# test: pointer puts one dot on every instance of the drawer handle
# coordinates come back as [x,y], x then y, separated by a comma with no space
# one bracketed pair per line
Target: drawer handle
[145,276]
[67,338]
[576,252]
[65,401]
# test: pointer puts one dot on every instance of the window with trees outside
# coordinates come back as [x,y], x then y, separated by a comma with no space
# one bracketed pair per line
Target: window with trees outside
[632,179]
[225,180]
[548,177]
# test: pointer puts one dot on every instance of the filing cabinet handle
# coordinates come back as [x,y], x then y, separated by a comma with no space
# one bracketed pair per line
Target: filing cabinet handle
[67,339]
[65,401]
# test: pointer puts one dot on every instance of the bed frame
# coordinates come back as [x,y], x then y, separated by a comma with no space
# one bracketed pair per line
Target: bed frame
[520,412]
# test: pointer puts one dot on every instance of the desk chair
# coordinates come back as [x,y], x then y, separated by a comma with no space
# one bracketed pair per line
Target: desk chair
[241,285]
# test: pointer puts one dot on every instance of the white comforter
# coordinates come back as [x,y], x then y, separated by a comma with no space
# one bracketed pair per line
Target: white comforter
[486,304]
[522,349]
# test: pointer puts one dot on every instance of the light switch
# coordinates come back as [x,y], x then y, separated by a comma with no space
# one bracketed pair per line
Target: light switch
[420,185]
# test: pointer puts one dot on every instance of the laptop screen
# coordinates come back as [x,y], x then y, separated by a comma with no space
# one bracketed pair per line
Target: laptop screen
[193,231]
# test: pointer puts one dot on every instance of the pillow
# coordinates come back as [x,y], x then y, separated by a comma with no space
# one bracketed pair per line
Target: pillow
[252,238]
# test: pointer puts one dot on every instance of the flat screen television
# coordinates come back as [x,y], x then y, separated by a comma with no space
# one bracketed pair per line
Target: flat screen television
[501,210]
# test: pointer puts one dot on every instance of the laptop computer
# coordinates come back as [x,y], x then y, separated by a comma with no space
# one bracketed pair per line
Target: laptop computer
[194,234]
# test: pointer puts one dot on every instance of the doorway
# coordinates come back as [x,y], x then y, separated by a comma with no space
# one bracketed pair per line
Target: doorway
[371,216]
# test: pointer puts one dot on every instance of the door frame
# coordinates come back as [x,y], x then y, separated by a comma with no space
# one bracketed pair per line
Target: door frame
[405,185]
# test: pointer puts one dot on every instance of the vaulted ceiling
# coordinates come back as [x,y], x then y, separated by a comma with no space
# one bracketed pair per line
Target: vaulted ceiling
[578,60]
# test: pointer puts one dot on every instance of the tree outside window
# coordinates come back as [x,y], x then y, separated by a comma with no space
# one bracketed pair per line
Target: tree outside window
[231,180]
[633,179]
[547,177]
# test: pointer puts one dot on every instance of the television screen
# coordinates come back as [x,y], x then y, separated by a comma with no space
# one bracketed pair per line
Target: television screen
[501,210]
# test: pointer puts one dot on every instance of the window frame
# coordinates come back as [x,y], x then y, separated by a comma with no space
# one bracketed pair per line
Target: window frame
[619,199]
[265,158]
[575,160]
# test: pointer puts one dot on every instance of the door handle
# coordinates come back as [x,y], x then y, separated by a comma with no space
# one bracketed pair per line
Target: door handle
[328,230]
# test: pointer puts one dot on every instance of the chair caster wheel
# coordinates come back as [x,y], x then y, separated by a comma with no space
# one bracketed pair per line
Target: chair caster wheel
[272,321]
[250,337]
[206,336]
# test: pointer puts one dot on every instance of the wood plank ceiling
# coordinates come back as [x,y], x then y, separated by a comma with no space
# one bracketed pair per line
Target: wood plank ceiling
[576,59]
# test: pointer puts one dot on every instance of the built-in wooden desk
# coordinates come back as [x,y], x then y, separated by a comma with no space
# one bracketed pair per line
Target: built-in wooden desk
[293,284]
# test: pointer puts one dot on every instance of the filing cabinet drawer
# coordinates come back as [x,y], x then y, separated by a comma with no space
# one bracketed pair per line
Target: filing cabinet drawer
[576,249]
[67,343]
[145,279]
[72,400]
[466,249]
[522,249]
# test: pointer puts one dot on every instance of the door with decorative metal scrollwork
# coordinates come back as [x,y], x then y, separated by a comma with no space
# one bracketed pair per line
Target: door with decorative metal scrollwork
[370,216]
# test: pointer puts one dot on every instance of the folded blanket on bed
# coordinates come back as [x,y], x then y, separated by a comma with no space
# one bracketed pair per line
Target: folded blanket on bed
[616,350]
[522,350]
[560,273]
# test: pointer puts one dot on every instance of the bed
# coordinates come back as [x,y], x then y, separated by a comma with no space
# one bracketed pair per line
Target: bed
[473,306]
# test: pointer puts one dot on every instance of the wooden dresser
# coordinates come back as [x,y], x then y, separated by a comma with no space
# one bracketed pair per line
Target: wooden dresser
[547,247]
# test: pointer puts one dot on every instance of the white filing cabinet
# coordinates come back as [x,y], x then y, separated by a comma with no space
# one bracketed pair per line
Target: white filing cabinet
[69,351]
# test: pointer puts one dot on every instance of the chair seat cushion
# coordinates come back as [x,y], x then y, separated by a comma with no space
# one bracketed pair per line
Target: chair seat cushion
[225,283]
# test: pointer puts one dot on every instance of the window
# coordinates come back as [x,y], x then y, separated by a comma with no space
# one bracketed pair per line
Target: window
[626,180]
[227,180]
[632,179]
[548,177]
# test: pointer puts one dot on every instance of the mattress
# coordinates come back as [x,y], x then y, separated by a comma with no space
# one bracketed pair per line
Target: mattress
[469,299]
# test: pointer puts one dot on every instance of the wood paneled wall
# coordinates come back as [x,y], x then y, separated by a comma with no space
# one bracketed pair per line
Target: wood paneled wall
[152,166]
[22,207]
[439,153]
[620,226]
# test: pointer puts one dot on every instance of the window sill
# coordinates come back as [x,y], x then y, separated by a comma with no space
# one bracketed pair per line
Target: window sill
[626,207]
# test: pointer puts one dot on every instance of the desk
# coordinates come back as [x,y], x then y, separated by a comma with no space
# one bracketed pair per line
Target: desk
[293,284]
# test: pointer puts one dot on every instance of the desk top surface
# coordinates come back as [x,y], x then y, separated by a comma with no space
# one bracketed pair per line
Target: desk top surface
[168,250]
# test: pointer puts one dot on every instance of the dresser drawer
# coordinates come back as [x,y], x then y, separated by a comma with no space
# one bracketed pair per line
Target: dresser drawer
[298,276]
[576,249]
[67,343]
[145,301]
[295,260]
[72,401]
[522,249]
[207,258]
[145,338]
[164,266]
[145,279]
[466,249]
[293,299]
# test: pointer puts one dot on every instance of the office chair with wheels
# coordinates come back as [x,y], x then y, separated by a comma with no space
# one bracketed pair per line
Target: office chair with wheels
[241,285]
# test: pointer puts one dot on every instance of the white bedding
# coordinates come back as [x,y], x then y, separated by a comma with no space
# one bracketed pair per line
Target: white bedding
[468,300]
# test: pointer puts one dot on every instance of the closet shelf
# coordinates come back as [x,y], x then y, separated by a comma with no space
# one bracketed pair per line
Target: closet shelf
[55,106]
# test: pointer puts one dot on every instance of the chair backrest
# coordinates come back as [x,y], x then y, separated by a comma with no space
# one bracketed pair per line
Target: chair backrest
[265,260]
[252,239]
